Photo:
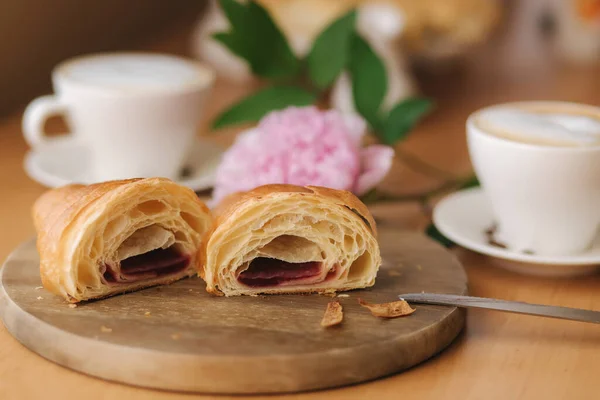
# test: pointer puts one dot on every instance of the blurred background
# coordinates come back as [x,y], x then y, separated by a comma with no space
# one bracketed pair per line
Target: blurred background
[36,35]
[478,43]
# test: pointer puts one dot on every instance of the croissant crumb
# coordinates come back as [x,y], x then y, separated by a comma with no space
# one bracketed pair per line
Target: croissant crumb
[394,309]
[334,314]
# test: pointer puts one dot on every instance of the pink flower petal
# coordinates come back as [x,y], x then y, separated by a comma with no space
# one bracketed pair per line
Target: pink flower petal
[246,165]
[376,162]
[296,145]
[356,126]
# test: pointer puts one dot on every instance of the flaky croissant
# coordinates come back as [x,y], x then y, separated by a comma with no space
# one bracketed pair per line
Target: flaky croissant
[113,237]
[290,239]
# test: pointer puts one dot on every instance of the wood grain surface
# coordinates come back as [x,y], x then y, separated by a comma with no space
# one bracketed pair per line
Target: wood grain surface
[179,337]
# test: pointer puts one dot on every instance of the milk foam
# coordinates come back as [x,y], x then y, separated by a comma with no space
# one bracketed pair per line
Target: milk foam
[547,128]
[134,72]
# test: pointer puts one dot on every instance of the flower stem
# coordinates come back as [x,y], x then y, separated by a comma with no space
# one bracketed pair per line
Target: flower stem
[425,168]
[423,198]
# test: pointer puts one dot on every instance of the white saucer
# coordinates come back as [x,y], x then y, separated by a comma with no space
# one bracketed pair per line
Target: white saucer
[464,216]
[64,161]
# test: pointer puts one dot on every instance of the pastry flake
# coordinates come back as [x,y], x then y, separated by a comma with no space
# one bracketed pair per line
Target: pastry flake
[394,309]
[334,314]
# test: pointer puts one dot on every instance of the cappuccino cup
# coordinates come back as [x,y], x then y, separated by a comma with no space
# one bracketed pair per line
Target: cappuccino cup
[539,165]
[136,113]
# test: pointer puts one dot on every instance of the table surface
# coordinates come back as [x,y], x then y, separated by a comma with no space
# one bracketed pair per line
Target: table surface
[499,356]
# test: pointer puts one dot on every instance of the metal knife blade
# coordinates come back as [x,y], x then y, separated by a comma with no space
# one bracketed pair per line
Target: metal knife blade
[574,314]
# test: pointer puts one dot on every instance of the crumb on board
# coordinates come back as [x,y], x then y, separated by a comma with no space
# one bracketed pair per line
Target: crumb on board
[394,309]
[333,314]
[175,336]
[72,305]
[39,287]
[190,290]
[328,294]
[343,295]
[105,329]
[147,314]
[419,267]
[40,298]
[253,295]
[393,272]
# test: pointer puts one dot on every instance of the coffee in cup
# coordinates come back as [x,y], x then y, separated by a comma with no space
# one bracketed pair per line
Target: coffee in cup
[539,165]
[137,113]
[548,126]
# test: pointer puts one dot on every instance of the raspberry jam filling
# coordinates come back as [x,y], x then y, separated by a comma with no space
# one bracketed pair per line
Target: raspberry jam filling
[268,272]
[153,264]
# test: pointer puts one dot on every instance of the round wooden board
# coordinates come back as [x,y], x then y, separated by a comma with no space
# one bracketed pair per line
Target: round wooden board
[178,337]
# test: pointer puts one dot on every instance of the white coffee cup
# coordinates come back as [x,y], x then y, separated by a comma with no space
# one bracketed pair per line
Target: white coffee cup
[545,198]
[138,113]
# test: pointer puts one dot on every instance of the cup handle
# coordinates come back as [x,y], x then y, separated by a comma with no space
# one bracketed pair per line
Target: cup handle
[35,116]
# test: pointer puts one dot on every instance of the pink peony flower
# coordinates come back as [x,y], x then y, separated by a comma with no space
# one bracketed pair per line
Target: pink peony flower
[303,146]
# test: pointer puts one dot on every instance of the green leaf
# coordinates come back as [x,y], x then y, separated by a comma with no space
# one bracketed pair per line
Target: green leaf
[470,182]
[274,57]
[369,80]
[436,235]
[257,105]
[403,117]
[234,10]
[233,43]
[329,54]
[257,39]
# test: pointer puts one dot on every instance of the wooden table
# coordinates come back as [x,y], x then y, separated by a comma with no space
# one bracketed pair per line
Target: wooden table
[499,356]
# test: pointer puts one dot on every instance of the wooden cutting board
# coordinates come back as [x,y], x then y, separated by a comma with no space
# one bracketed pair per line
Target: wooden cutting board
[178,337]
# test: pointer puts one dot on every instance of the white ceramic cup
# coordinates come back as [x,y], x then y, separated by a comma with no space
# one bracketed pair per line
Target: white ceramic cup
[138,113]
[546,199]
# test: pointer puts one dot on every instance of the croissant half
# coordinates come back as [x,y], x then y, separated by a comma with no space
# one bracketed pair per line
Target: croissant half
[113,237]
[290,239]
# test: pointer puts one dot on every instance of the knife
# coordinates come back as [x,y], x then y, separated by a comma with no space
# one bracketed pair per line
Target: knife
[575,314]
